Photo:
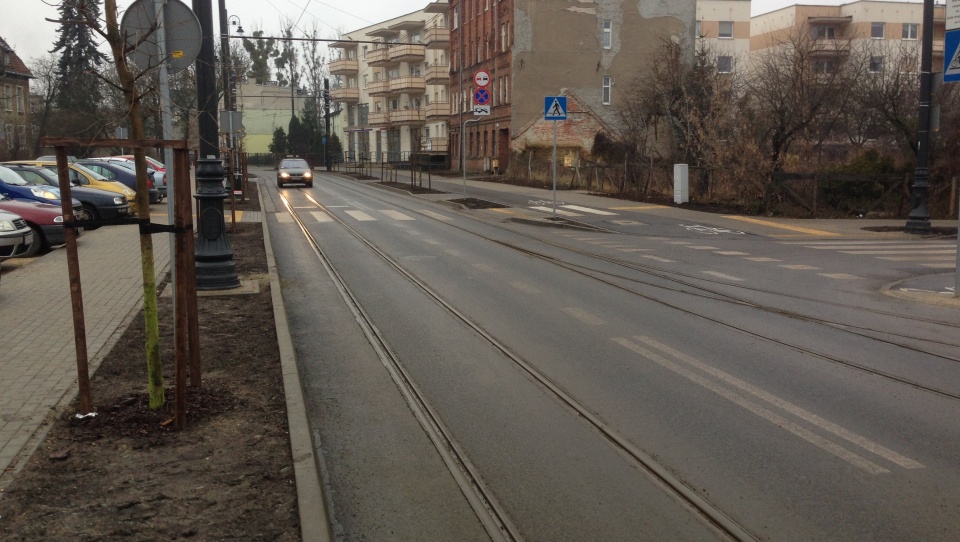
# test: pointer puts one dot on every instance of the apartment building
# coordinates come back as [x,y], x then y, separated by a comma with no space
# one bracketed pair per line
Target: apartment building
[15,132]
[392,79]
[723,27]
[265,108]
[538,48]
[889,32]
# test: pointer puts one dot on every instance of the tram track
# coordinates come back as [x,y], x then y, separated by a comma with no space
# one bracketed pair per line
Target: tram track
[696,290]
[491,514]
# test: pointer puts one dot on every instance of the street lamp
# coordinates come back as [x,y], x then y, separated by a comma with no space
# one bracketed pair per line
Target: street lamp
[919,219]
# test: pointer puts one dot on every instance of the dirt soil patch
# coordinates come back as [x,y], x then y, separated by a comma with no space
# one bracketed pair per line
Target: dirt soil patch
[127,475]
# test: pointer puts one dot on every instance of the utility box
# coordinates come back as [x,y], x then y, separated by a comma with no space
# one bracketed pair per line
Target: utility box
[681,183]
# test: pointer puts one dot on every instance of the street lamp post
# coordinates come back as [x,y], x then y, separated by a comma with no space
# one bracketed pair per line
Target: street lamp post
[215,266]
[919,219]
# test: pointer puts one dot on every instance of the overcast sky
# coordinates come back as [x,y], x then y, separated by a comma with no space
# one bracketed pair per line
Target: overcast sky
[24,27]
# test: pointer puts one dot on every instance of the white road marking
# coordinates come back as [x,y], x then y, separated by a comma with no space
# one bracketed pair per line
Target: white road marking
[939,265]
[702,247]
[361,216]
[918,258]
[438,216]
[484,267]
[583,316]
[797,411]
[756,409]
[559,211]
[679,242]
[799,267]
[732,253]
[634,249]
[840,276]
[887,247]
[762,259]
[432,242]
[838,242]
[321,216]
[454,253]
[589,210]
[396,215]
[892,252]
[656,258]
[525,288]
[722,276]
[284,218]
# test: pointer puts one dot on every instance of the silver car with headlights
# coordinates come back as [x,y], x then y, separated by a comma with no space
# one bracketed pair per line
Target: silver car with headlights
[294,170]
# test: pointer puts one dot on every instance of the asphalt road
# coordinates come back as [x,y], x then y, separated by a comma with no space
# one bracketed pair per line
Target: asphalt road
[634,381]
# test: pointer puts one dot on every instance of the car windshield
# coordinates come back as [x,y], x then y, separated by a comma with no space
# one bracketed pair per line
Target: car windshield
[285,164]
[9,176]
[34,177]
[90,173]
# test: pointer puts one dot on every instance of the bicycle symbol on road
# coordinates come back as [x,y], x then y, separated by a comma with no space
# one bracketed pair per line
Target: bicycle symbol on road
[709,230]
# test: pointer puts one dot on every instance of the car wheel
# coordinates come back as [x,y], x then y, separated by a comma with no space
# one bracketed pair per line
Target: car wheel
[279,184]
[89,212]
[36,245]
[310,184]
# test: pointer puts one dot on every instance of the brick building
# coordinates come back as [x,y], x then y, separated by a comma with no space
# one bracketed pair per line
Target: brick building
[15,132]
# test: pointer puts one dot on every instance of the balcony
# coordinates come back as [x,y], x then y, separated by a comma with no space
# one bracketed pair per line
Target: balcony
[379,118]
[406,116]
[345,95]
[379,57]
[438,110]
[407,53]
[436,37]
[440,144]
[408,84]
[437,74]
[344,67]
[379,88]
[829,47]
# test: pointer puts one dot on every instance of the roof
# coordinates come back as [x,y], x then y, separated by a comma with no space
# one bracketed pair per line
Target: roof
[10,63]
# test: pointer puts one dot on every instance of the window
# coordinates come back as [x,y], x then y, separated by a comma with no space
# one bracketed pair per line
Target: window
[607,34]
[8,97]
[824,66]
[910,31]
[697,31]
[726,29]
[724,64]
[365,82]
[8,133]
[607,83]
[503,37]
[876,31]
[364,52]
[486,6]
[20,108]
[506,89]
[456,19]
[824,33]
[876,64]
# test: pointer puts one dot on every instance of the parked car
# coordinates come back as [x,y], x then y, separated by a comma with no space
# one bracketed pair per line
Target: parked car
[53,158]
[85,177]
[18,188]
[160,180]
[44,219]
[294,170]
[122,171]
[96,203]
[16,236]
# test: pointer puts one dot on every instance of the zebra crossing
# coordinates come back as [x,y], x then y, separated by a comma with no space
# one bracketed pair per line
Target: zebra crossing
[324,216]
[932,254]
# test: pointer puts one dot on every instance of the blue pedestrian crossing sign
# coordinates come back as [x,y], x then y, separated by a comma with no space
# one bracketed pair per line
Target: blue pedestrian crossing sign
[555,108]
[951,56]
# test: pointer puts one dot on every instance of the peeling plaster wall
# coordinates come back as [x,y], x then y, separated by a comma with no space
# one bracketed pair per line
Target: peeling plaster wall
[558,44]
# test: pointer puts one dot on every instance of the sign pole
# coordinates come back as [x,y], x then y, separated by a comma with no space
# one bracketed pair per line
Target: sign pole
[554,169]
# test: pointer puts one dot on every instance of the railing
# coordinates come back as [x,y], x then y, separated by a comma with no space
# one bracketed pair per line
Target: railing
[345,94]
[378,56]
[344,67]
[438,109]
[379,88]
[379,118]
[406,116]
[437,74]
[408,83]
[436,37]
[407,53]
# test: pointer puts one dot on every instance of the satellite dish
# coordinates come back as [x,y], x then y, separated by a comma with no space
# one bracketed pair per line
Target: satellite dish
[182,38]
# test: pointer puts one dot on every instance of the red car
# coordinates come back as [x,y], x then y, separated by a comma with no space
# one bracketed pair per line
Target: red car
[44,219]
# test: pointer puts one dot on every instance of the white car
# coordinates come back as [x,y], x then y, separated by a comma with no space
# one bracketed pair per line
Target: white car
[15,235]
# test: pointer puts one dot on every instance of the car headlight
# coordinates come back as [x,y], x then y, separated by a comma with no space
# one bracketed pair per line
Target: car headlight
[308,175]
[58,220]
[43,193]
[129,193]
[284,174]
[119,201]
[6,225]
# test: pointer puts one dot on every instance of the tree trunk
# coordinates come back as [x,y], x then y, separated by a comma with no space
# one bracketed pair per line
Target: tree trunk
[150,315]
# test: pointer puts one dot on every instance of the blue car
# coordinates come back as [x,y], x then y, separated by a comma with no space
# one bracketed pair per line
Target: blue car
[16,187]
[122,171]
